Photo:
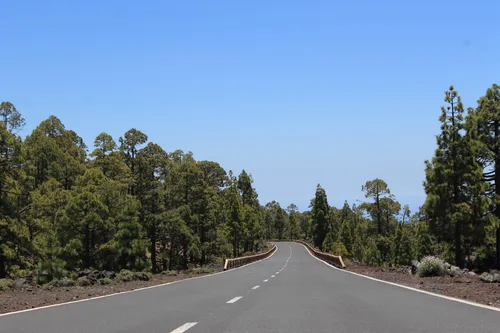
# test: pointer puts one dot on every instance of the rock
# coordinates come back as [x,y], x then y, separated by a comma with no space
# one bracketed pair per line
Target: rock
[107,274]
[454,271]
[414,266]
[471,273]
[490,277]
[18,283]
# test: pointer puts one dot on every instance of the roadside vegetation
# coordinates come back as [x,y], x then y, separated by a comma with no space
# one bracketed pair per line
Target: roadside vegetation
[124,210]
[118,211]
[460,219]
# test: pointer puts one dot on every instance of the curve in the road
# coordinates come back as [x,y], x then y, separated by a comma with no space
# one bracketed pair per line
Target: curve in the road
[308,296]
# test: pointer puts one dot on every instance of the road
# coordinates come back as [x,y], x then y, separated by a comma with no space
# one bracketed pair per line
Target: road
[288,292]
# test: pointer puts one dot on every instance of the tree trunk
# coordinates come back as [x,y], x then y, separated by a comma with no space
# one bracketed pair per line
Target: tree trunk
[171,255]
[154,266]
[379,216]
[163,259]
[459,258]
[497,189]
[87,246]
[498,248]
[3,273]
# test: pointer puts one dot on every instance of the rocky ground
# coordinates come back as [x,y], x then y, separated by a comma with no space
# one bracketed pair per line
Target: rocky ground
[483,289]
[31,296]
[26,294]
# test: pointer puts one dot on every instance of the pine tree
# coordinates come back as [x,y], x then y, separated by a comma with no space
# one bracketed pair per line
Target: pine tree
[320,213]
[487,117]
[453,178]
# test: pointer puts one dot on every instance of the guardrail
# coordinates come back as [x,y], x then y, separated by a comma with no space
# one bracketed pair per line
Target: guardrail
[236,262]
[335,260]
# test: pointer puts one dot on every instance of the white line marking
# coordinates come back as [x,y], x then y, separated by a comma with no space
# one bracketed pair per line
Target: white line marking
[265,280]
[234,300]
[257,286]
[138,289]
[183,328]
[277,272]
[273,276]
[406,287]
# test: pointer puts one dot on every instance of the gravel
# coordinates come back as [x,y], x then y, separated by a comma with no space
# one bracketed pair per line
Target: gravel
[471,287]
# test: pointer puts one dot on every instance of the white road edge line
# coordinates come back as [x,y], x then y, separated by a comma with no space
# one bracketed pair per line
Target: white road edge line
[183,328]
[257,286]
[234,300]
[406,287]
[138,289]
[265,280]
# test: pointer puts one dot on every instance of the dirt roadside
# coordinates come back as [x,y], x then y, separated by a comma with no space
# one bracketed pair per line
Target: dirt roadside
[36,296]
[466,287]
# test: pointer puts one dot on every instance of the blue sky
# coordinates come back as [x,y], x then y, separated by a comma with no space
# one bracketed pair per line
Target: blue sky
[295,92]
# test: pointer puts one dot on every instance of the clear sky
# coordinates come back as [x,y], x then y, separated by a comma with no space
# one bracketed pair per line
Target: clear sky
[295,92]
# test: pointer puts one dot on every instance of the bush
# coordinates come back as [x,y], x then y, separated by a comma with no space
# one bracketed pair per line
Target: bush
[50,269]
[66,282]
[201,270]
[105,281]
[73,276]
[5,284]
[339,249]
[125,276]
[143,276]
[83,281]
[430,266]
[169,273]
[17,272]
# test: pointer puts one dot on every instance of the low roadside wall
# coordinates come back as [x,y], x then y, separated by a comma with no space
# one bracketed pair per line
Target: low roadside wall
[334,260]
[240,261]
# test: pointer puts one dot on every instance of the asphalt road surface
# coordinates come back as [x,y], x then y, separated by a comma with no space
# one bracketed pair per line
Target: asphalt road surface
[288,292]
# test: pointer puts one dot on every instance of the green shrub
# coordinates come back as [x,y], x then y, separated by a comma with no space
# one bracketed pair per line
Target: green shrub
[17,272]
[339,249]
[430,266]
[125,276]
[66,282]
[105,281]
[143,276]
[53,283]
[83,281]
[201,270]
[169,273]
[73,276]
[5,284]
[50,269]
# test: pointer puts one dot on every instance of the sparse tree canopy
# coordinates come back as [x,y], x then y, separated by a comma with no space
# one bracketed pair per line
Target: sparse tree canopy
[136,206]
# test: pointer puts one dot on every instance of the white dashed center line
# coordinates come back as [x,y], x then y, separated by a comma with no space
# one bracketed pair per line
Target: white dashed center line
[234,300]
[265,280]
[183,328]
[272,276]
[257,286]
[277,272]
